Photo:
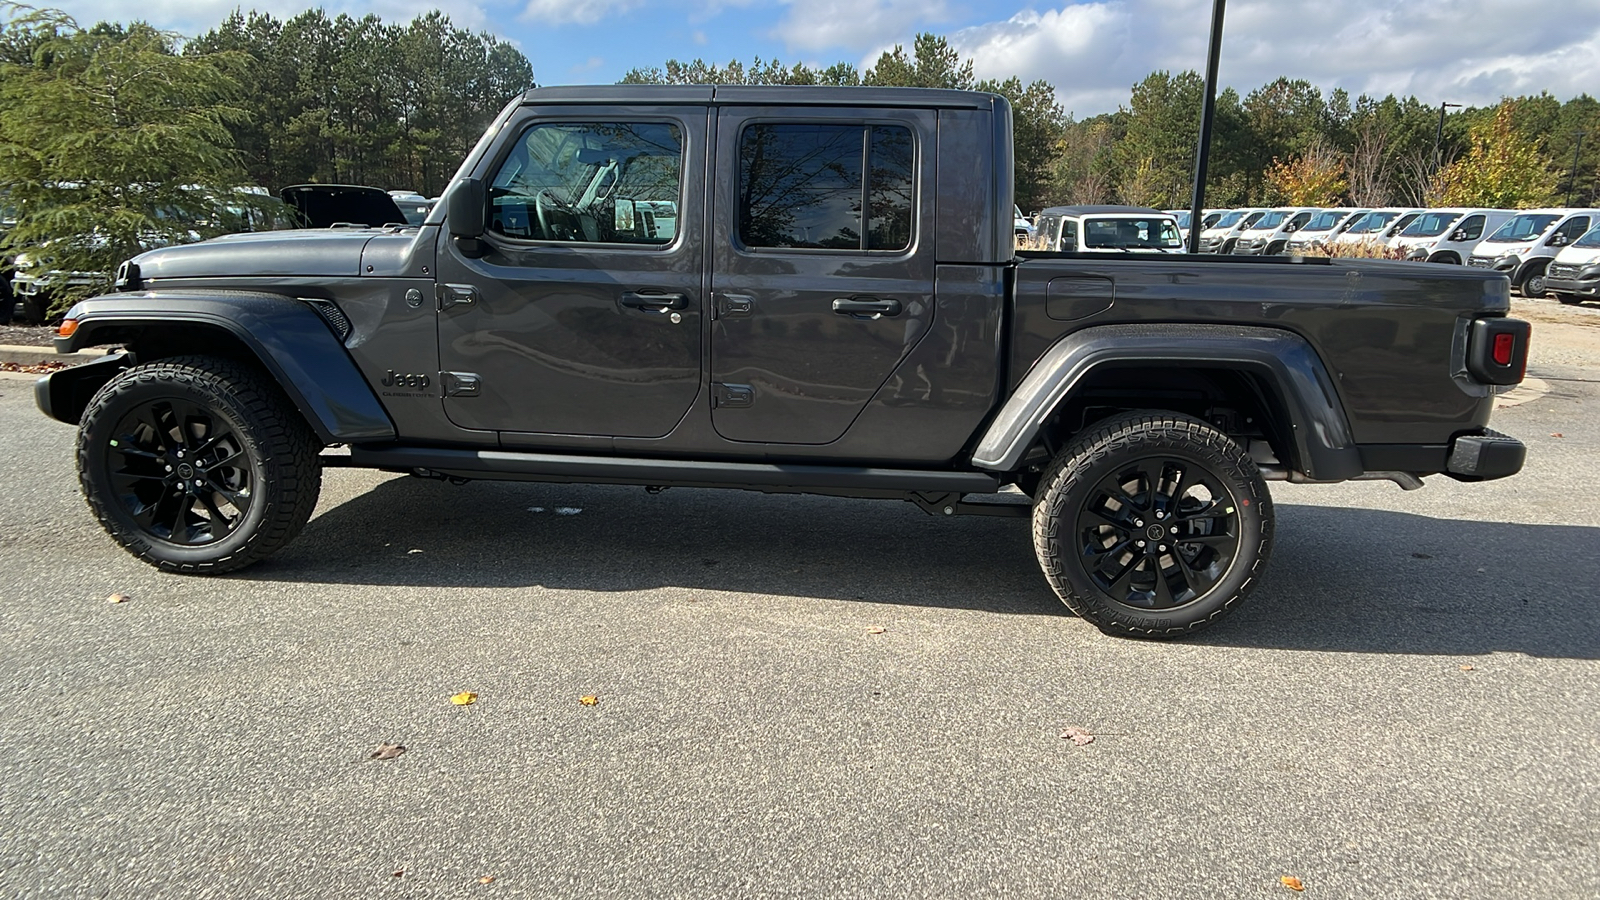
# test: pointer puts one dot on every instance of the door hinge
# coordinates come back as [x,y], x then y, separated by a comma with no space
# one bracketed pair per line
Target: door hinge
[732,396]
[727,306]
[455,295]
[461,384]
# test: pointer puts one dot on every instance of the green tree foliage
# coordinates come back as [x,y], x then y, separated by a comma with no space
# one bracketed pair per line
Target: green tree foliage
[1503,170]
[1037,124]
[111,142]
[933,63]
[1156,154]
[341,99]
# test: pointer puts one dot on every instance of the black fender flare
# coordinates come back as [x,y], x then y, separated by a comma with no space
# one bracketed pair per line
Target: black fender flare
[289,338]
[1285,361]
[1526,269]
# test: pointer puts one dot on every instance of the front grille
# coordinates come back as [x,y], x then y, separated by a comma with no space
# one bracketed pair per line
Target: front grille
[1562,270]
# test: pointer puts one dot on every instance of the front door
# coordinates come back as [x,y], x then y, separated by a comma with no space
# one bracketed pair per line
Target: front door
[580,311]
[823,267]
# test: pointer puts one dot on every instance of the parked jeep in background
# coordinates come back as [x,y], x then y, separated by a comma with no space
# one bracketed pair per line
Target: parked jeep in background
[1524,246]
[838,308]
[1108,229]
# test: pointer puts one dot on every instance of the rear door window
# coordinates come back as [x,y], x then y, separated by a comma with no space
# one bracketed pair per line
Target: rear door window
[812,186]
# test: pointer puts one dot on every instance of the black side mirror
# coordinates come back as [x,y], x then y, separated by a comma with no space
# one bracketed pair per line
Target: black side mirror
[1458,237]
[1558,240]
[464,210]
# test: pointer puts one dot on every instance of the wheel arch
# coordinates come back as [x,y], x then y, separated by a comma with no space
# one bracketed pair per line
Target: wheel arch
[1528,269]
[1264,372]
[284,337]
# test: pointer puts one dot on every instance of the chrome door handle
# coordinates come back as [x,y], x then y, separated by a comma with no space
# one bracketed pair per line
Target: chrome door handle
[866,307]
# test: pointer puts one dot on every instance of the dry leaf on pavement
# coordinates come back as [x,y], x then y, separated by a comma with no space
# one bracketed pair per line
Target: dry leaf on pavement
[589,700]
[1556,434]
[464,698]
[118,598]
[1292,883]
[1077,736]
[875,629]
[487,879]
[387,751]
[1466,668]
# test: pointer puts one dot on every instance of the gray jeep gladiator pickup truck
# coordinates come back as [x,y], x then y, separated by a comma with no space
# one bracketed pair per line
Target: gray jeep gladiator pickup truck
[781,289]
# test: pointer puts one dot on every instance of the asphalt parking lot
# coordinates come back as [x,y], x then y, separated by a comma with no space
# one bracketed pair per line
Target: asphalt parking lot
[1406,708]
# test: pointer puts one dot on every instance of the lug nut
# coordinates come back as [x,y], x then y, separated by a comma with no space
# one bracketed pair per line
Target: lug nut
[1174,529]
[1138,523]
[1162,548]
[1160,514]
[1139,544]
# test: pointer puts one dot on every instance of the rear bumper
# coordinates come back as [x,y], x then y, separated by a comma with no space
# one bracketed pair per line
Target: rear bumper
[1481,457]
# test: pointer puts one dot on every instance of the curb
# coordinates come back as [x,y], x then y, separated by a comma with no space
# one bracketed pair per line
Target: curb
[28,356]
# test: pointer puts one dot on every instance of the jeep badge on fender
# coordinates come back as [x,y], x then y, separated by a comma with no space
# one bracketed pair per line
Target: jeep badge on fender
[402,380]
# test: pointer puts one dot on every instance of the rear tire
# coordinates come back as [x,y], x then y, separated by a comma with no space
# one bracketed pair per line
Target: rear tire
[1569,299]
[1153,524]
[197,465]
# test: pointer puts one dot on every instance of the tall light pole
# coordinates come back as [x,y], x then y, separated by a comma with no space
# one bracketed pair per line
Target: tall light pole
[1438,138]
[1572,179]
[1208,109]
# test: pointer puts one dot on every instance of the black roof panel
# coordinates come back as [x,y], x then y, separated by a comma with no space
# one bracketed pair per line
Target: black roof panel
[757,95]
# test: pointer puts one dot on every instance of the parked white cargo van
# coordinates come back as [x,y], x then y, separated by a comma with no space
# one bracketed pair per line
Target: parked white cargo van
[1574,275]
[1322,229]
[1270,234]
[1379,225]
[1524,246]
[1221,237]
[1448,235]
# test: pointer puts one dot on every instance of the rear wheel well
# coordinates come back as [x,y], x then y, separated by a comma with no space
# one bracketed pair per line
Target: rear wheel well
[1243,405]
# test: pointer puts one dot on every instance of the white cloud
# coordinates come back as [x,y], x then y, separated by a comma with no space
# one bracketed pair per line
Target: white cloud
[1467,51]
[812,25]
[574,12]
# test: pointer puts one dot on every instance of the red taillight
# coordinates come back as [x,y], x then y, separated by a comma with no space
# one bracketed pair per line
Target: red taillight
[1503,346]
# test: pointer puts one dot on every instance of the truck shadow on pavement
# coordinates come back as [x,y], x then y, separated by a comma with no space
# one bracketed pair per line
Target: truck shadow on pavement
[1341,579]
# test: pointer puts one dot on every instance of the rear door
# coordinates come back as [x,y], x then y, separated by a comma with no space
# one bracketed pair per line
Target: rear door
[823,267]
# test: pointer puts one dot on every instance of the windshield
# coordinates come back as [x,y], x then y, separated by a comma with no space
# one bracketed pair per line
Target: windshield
[1183,220]
[1016,212]
[1590,240]
[1372,221]
[1131,234]
[1230,220]
[1325,221]
[1431,224]
[1525,227]
[1270,220]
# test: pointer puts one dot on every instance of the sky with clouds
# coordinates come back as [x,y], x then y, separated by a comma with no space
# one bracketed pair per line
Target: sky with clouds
[1461,51]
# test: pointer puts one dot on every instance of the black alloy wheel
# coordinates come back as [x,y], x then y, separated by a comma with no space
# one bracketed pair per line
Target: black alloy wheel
[1152,524]
[1158,533]
[180,471]
[197,464]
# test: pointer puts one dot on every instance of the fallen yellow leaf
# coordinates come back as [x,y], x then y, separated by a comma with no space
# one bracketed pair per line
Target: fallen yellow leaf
[589,700]
[1292,883]
[487,879]
[875,629]
[118,598]
[465,697]
[1466,668]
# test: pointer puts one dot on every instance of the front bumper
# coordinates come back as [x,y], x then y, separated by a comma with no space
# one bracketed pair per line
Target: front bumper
[1567,279]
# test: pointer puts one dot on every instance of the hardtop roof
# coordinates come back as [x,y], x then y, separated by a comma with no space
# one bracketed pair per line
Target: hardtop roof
[757,95]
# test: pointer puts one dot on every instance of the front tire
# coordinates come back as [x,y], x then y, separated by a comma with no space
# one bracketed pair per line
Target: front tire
[1153,524]
[1533,288]
[1569,299]
[197,465]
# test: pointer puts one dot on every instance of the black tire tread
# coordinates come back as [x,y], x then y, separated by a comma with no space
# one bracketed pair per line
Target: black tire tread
[1152,430]
[290,445]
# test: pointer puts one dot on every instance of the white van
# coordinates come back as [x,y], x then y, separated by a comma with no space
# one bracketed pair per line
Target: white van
[1523,247]
[1378,226]
[1322,229]
[1107,229]
[1221,237]
[1270,234]
[1574,275]
[1448,235]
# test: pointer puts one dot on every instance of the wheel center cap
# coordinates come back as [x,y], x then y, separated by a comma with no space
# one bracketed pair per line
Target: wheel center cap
[1154,532]
[185,470]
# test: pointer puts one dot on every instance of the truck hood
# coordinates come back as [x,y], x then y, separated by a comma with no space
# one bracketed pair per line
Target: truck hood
[325,252]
